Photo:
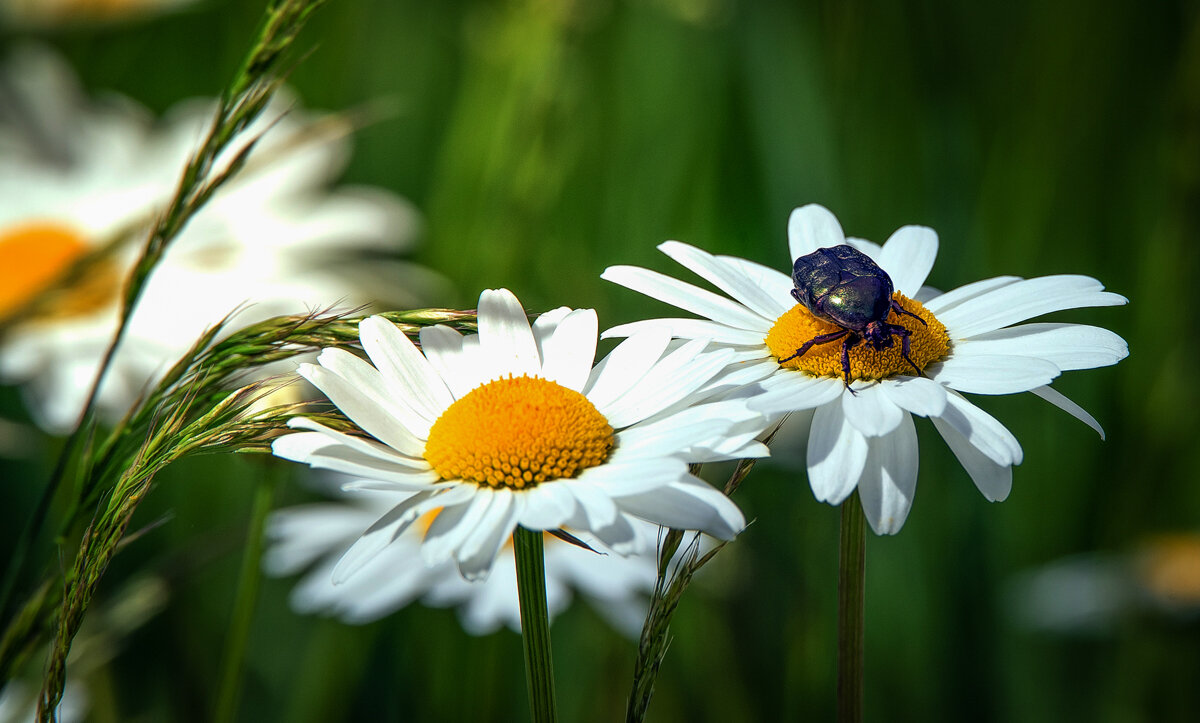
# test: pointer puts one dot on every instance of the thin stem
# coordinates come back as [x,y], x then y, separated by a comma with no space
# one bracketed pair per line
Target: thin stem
[249,580]
[535,624]
[851,576]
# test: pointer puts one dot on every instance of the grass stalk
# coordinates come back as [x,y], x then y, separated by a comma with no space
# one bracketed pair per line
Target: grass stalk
[249,581]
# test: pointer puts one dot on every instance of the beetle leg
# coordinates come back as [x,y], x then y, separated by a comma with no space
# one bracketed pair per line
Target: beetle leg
[821,339]
[902,311]
[851,342]
[904,334]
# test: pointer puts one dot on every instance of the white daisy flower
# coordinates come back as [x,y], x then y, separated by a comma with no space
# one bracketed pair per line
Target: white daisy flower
[313,537]
[514,426]
[75,174]
[862,434]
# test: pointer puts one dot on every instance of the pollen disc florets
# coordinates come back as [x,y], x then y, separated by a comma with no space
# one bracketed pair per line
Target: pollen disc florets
[517,432]
[928,343]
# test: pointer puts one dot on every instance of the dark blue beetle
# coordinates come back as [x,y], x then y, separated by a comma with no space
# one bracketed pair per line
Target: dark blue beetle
[845,287]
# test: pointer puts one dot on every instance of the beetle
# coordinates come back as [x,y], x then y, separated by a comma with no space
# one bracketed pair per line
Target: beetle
[843,286]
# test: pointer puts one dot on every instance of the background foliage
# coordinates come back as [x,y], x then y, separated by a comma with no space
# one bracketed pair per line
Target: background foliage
[544,140]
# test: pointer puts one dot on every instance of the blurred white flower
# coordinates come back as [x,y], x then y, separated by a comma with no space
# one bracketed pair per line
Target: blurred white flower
[1092,593]
[315,536]
[75,174]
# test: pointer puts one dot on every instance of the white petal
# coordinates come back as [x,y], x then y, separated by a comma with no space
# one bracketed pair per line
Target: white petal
[624,366]
[836,455]
[505,338]
[633,477]
[889,479]
[367,446]
[1062,402]
[727,278]
[547,506]
[927,294]
[950,299]
[790,391]
[545,324]
[362,407]
[321,452]
[992,479]
[990,374]
[678,433]
[813,227]
[453,524]
[478,551]
[390,395]
[443,347]
[567,355]
[870,411]
[685,296]
[692,329]
[674,377]
[908,256]
[870,248]
[380,534]
[1068,346]
[918,395]
[1023,300]
[776,286]
[688,505]
[982,430]
[399,359]
[597,506]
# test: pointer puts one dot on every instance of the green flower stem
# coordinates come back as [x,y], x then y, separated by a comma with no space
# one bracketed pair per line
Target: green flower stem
[851,576]
[249,580]
[535,624]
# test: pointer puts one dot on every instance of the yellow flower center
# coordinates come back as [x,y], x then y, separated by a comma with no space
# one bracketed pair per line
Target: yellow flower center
[517,432]
[35,255]
[927,344]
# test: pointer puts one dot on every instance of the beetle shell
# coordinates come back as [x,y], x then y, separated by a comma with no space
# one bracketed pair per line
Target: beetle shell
[843,286]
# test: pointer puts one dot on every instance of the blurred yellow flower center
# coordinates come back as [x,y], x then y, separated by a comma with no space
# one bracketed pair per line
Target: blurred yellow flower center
[1170,567]
[927,344]
[34,255]
[517,432]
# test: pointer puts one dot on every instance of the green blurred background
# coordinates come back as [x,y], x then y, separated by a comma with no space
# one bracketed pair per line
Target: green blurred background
[544,140]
